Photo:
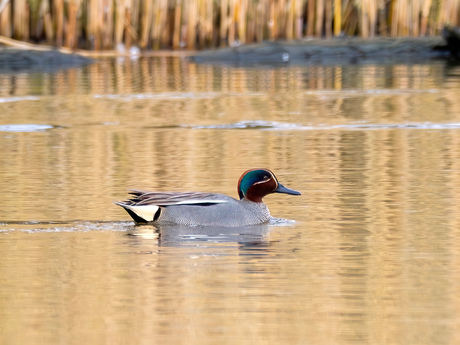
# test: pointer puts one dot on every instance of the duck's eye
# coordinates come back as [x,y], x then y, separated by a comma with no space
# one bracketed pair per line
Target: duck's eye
[266,177]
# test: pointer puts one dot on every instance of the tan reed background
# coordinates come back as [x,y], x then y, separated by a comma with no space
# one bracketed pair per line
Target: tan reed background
[196,24]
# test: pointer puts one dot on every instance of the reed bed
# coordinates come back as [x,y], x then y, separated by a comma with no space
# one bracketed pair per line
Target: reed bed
[197,24]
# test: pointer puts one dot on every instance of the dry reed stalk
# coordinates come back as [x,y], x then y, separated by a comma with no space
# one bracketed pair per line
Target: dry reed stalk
[3,4]
[456,13]
[311,18]
[48,28]
[393,18]
[131,33]
[448,13]
[201,23]
[43,8]
[364,10]
[167,31]
[260,20]
[298,19]
[424,16]
[71,24]
[210,27]
[250,22]
[192,21]
[337,17]
[5,20]
[177,24]
[58,10]
[231,22]
[100,25]
[146,22]
[280,28]
[107,25]
[328,21]
[128,31]
[433,18]
[91,28]
[272,21]
[155,27]
[159,26]
[241,15]
[133,21]
[233,28]
[408,16]
[26,29]
[71,34]
[119,22]
[346,14]
[373,18]
[223,22]
[382,18]
[289,29]
[403,12]
[319,18]
[353,23]
[267,23]
[440,15]
[19,19]
[414,20]
[399,17]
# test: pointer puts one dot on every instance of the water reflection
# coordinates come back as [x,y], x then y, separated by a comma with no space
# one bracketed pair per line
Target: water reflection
[373,257]
[173,235]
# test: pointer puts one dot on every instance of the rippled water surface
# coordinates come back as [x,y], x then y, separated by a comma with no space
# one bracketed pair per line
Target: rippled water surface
[369,254]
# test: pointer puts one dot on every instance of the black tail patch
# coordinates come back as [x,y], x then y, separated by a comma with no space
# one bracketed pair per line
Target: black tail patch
[157,214]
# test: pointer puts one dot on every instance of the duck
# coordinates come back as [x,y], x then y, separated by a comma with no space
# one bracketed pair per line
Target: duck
[208,209]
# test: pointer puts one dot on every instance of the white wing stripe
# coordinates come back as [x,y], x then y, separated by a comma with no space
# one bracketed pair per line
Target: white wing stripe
[200,201]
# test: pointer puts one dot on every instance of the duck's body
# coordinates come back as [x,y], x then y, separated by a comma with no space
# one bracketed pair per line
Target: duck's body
[208,209]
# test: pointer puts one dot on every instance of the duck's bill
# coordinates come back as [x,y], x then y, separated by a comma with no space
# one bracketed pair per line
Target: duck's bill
[282,189]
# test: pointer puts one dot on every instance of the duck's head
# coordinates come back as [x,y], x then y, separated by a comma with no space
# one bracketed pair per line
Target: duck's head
[254,184]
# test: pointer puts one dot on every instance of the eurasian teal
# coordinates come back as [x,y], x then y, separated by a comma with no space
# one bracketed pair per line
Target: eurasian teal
[208,209]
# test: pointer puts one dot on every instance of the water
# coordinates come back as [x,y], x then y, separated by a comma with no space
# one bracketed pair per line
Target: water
[367,255]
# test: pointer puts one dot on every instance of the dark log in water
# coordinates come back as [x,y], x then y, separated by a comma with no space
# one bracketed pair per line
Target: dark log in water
[452,37]
[333,51]
[33,60]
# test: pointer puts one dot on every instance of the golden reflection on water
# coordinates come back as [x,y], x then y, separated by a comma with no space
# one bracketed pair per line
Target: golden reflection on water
[373,257]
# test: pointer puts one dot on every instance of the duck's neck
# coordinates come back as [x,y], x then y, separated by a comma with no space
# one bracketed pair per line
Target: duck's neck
[254,200]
